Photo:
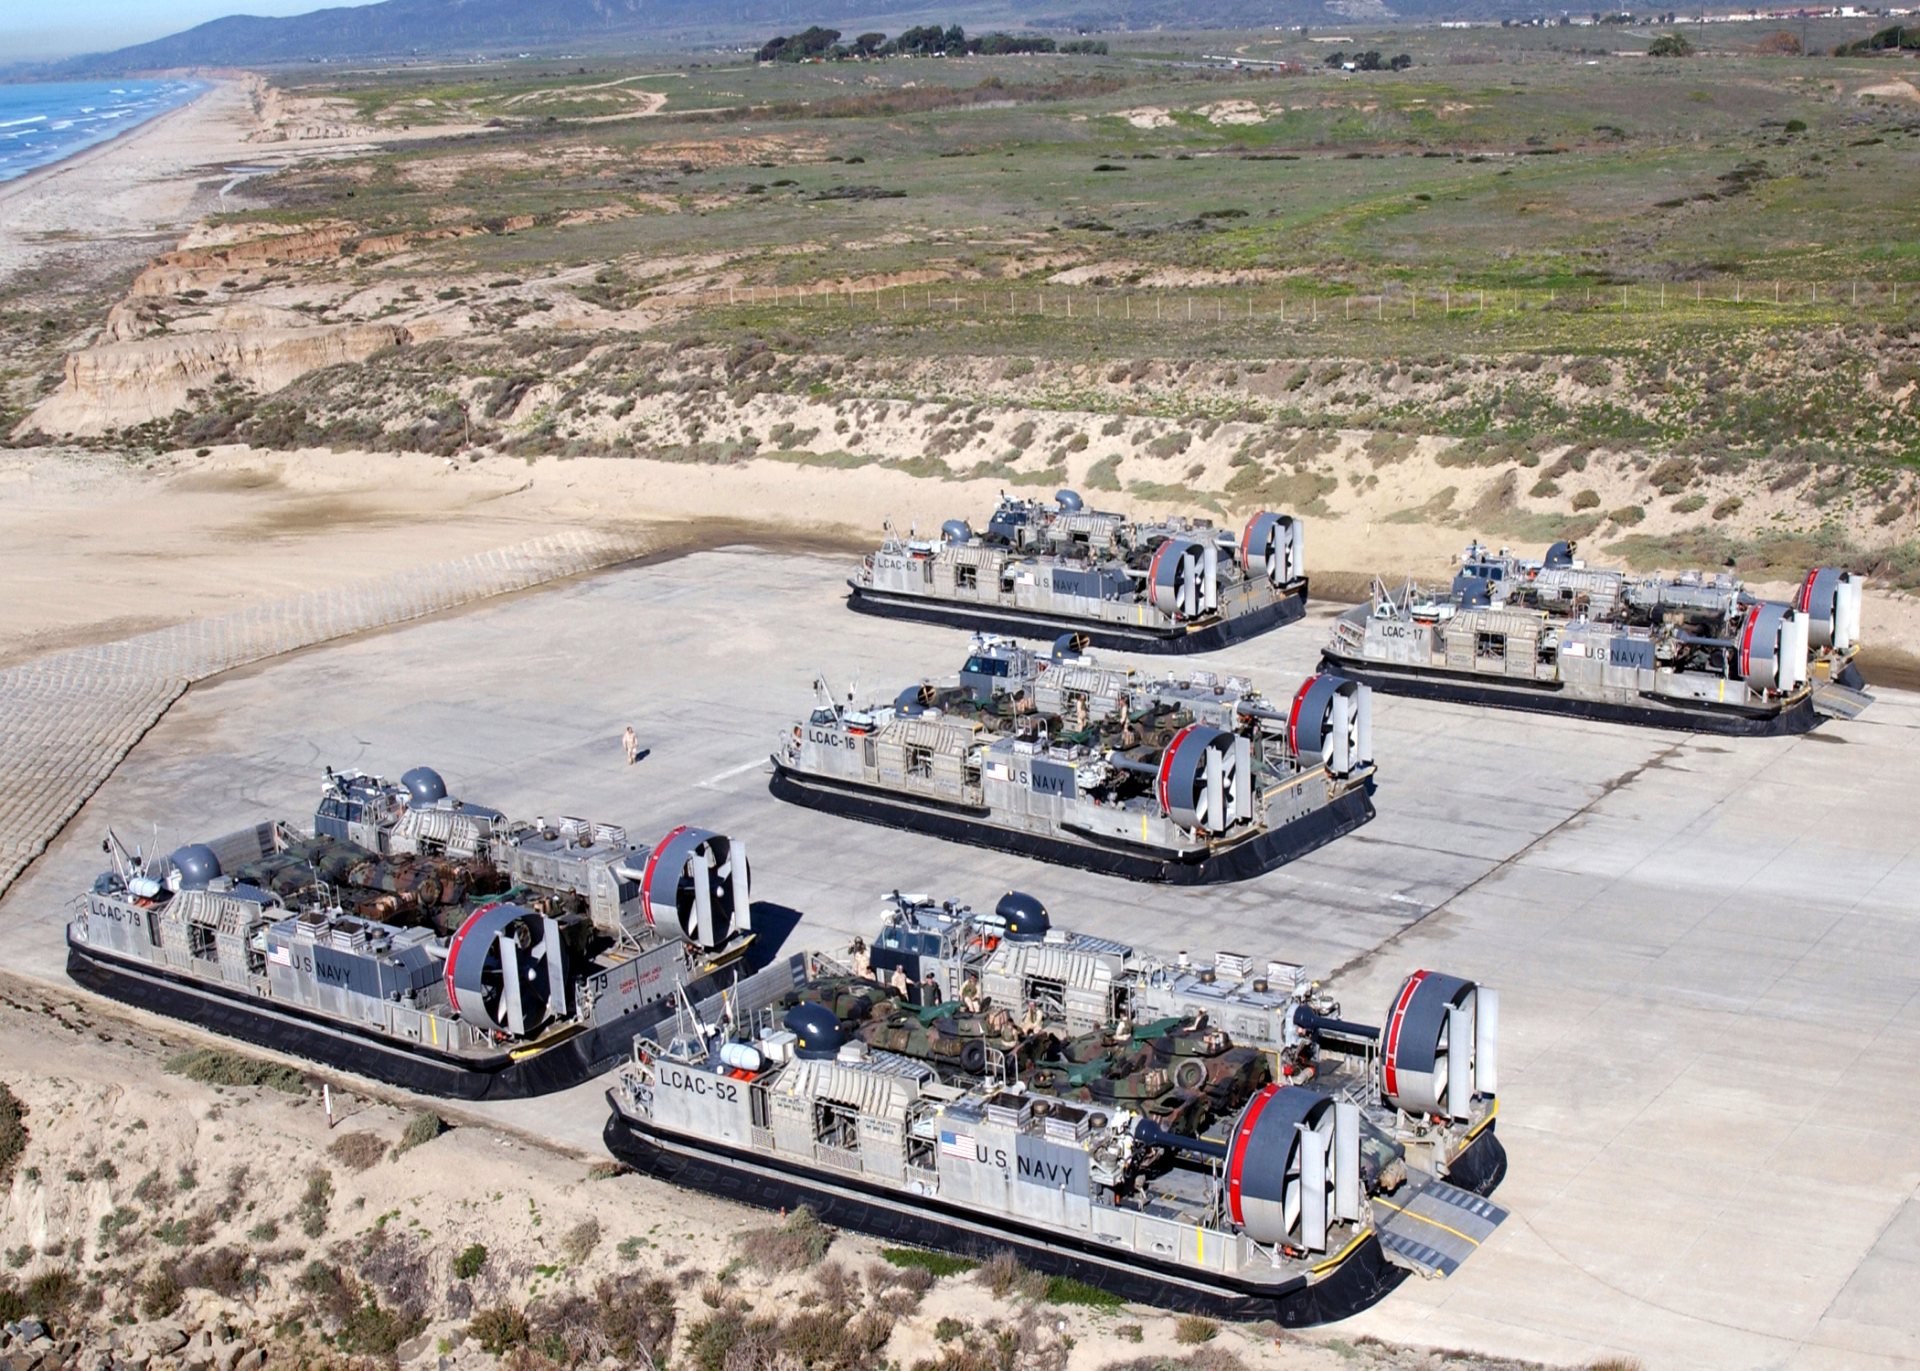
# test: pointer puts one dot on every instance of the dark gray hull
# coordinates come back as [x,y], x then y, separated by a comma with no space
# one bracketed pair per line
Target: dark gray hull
[1362,1276]
[956,823]
[1098,633]
[1392,679]
[343,1047]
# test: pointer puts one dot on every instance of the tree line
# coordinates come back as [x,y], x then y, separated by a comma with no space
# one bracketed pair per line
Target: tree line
[1369,61]
[924,40]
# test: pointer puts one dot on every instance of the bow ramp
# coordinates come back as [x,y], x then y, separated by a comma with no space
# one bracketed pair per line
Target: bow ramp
[1835,700]
[1430,1227]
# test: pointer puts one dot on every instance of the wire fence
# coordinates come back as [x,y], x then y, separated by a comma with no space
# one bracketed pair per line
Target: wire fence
[69,718]
[1391,301]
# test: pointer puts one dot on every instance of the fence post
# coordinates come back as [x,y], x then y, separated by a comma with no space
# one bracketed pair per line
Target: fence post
[1816,292]
[1189,309]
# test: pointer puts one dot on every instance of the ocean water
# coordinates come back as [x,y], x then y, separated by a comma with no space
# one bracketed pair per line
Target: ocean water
[45,121]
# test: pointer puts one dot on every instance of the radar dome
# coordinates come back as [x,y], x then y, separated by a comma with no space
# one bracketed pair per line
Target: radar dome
[815,1029]
[957,532]
[1069,501]
[197,865]
[1026,917]
[424,785]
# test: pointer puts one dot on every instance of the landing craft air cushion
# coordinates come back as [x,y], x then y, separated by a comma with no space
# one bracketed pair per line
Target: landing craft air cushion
[1160,586]
[418,940]
[1189,779]
[1224,1142]
[1694,651]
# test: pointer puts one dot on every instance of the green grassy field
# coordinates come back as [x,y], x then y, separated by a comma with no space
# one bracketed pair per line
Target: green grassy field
[1535,171]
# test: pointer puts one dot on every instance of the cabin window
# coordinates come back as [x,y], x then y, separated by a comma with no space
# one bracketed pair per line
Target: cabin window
[920,761]
[966,577]
[201,943]
[869,754]
[1490,647]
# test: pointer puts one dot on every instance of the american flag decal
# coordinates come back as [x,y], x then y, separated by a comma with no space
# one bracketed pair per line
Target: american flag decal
[956,1145]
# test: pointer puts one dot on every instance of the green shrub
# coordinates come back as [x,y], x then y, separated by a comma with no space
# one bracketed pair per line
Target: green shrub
[499,1328]
[1687,504]
[1592,372]
[798,1243]
[1585,499]
[13,1133]
[1191,1329]
[1628,515]
[214,1066]
[471,1261]
[373,1330]
[160,1293]
[1727,508]
[939,1263]
[1066,1290]
[423,1127]
[315,1202]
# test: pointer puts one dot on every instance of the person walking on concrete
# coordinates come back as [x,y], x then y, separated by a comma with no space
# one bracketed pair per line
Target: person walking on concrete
[631,742]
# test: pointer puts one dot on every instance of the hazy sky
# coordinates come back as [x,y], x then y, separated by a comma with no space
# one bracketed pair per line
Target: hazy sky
[30,30]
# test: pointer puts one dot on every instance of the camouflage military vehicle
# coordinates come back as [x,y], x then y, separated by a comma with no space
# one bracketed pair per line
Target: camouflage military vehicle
[1694,651]
[511,967]
[1187,778]
[1040,569]
[1304,1203]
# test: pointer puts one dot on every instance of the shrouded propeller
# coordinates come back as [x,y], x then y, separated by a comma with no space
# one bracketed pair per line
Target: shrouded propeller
[1437,1048]
[506,972]
[1773,647]
[1830,603]
[697,880]
[1333,717]
[1182,578]
[1205,779]
[1271,547]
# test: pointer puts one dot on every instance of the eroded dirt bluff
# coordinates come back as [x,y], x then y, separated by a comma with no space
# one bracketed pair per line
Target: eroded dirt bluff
[117,384]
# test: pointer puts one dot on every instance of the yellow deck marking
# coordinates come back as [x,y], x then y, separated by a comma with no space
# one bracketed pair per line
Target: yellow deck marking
[1424,1219]
[1344,1252]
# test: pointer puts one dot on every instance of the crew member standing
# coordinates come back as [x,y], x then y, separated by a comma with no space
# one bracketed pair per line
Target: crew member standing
[631,742]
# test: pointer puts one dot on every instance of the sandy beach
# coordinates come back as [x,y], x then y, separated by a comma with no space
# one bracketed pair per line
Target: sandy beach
[131,195]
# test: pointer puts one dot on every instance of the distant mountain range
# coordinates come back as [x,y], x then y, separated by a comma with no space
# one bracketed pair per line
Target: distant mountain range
[398,28]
